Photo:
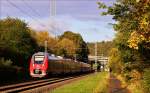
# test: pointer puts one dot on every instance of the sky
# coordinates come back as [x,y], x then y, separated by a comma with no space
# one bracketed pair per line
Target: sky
[79,16]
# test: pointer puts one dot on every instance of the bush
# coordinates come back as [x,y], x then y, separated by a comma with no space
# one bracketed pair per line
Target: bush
[146,80]
[7,70]
[5,63]
[135,75]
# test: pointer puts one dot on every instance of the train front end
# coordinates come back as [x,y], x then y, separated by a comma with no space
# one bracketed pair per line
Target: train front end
[39,65]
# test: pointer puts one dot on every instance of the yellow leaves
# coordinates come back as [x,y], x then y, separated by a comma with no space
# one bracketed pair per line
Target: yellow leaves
[142,33]
[68,45]
[144,22]
[137,1]
[135,39]
[42,36]
[136,75]
[115,61]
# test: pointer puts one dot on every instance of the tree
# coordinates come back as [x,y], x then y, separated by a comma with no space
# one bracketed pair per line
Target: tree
[66,47]
[41,37]
[132,16]
[132,34]
[115,61]
[16,42]
[80,47]
[103,47]
[132,26]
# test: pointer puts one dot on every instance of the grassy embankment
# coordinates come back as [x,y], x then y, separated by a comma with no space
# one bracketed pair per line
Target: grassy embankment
[95,83]
[134,87]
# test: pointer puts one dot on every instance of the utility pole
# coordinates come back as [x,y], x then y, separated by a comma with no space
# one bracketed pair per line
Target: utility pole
[96,54]
[0,9]
[52,7]
[75,57]
[53,14]
[45,46]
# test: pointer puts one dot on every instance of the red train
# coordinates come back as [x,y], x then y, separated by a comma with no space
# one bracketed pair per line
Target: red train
[42,64]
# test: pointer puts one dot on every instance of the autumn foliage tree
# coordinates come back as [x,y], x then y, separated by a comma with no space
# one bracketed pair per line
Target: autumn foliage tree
[115,62]
[103,48]
[66,47]
[132,27]
[69,44]
[42,37]
[74,44]
[132,33]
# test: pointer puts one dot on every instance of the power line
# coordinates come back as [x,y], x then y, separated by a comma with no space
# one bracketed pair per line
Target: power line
[25,12]
[58,0]
[52,8]
[33,10]
[19,8]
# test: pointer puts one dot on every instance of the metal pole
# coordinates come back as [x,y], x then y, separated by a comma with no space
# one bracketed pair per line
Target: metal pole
[52,7]
[52,14]
[0,9]
[75,58]
[96,54]
[45,45]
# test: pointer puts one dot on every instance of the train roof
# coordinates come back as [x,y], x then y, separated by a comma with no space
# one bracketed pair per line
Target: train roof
[50,56]
[53,57]
[39,53]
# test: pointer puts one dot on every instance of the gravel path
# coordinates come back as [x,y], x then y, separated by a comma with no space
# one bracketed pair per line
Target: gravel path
[115,86]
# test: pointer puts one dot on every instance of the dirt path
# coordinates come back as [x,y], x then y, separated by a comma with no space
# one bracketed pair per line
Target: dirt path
[115,86]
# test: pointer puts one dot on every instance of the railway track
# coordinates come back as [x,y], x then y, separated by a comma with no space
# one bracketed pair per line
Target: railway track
[35,86]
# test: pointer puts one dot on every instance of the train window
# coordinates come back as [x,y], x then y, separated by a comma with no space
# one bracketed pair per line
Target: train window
[38,59]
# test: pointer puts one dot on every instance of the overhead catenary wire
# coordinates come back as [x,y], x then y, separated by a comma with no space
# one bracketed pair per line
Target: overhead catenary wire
[52,10]
[24,12]
[14,5]
[57,0]
[33,10]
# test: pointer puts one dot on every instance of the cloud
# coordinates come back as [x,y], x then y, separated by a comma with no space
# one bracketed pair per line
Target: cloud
[54,26]
[91,30]
[80,16]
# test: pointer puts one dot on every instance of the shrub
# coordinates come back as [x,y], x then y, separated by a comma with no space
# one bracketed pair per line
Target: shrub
[146,80]
[136,75]
[5,63]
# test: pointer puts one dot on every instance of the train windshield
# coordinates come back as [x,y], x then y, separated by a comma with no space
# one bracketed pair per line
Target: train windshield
[38,59]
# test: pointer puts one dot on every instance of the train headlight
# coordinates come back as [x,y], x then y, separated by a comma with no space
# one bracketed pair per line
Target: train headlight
[33,65]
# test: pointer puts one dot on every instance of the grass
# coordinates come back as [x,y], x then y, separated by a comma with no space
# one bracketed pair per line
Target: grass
[95,83]
[134,87]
